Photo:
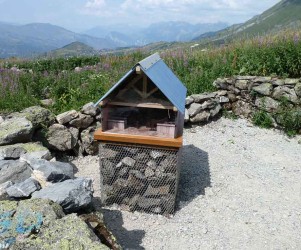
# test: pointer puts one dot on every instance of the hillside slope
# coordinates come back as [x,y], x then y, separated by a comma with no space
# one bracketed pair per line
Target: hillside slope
[73,49]
[283,15]
[32,39]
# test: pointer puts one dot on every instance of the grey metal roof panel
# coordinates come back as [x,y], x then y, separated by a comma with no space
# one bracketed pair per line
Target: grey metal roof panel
[114,86]
[149,61]
[168,83]
[162,76]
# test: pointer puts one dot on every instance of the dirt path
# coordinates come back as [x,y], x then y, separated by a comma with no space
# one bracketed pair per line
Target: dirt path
[240,188]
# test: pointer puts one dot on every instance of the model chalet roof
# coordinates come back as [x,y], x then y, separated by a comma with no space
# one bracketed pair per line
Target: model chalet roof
[162,76]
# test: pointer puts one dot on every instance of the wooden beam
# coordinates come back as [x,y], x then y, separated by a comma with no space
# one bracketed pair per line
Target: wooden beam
[138,92]
[144,105]
[99,135]
[151,92]
[144,91]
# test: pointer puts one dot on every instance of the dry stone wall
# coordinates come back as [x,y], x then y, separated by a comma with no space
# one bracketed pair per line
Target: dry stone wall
[244,95]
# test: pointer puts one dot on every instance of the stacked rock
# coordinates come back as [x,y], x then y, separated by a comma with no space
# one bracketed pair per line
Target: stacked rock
[139,178]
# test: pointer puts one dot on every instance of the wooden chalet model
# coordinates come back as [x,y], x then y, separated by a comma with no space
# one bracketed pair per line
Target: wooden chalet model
[146,106]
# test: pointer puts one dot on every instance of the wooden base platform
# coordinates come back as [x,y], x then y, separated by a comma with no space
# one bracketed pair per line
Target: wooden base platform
[99,135]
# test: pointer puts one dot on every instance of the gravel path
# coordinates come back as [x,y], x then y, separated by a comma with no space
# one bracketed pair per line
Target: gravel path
[240,188]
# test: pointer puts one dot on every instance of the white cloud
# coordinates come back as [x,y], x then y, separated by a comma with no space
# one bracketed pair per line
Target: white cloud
[95,4]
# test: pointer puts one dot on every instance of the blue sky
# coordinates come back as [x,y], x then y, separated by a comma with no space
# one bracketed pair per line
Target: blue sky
[79,15]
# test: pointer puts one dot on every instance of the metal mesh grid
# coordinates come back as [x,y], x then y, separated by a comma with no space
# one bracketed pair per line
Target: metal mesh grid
[139,178]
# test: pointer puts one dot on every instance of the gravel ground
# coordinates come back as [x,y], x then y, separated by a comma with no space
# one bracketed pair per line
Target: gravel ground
[240,188]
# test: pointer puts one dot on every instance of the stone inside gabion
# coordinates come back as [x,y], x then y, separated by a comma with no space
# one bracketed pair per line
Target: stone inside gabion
[139,178]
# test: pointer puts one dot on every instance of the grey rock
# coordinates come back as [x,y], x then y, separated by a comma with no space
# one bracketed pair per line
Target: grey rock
[245,77]
[82,121]
[107,169]
[221,83]
[198,98]
[234,90]
[14,171]
[152,164]
[189,100]
[47,102]
[4,186]
[67,116]
[1,119]
[155,191]
[137,174]
[262,79]
[147,203]
[72,195]
[89,145]
[45,171]
[291,81]
[298,89]
[242,84]
[215,111]
[194,109]
[264,89]
[14,130]
[128,161]
[29,157]
[149,172]
[223,99]
[90,109]
[242,108]
[23,189]
[70,232]
[232,97]
[278,82]
[156,154]
[60,138]
[201,117]
[123,172]
[186,116]
[209,104]
[38,116]
[267,103]
[285,92]
[222,92]
[11,152]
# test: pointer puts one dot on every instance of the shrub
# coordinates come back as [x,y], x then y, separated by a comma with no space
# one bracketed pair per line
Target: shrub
[262,119]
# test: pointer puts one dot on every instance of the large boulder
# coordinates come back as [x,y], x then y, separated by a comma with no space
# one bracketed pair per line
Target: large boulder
[89,145]
[60,138]
[90,109]
[241,108]
[285,92]
[298,89]
[14,130]
[38,116]
[201,117]
[19,150]
[72,195]
[267,103]
[70,232]
[45,171]
[67,116]
[203,97]
[22,218]
[264,89]
[14,171]
[82,121]
[23,189]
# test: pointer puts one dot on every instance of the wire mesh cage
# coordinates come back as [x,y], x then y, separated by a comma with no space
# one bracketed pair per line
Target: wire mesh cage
[139,178]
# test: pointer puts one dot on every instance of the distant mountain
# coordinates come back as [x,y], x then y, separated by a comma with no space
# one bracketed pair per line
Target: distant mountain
[162,31]
[32,39]
[283,15]
[73,49]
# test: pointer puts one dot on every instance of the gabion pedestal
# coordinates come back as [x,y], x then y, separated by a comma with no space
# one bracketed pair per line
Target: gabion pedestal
[139,178]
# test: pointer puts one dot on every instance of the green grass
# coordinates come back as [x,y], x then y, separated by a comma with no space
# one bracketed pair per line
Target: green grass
[197,69]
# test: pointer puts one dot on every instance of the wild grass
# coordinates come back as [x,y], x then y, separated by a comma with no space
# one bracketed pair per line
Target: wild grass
[74,81]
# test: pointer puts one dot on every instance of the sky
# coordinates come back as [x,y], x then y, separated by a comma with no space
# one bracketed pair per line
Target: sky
[81,15]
